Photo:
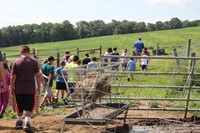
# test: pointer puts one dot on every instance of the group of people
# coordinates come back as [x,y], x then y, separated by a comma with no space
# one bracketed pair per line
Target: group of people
[24,79]
[126,63]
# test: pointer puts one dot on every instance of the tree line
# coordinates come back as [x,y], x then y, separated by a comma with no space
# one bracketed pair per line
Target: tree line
[52,32]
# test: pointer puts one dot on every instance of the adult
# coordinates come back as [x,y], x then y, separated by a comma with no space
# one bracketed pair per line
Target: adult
[23,86]
[138,47]
[86,60]
[2,72]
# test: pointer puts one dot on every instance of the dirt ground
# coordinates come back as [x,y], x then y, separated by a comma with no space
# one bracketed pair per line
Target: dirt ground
[53,123]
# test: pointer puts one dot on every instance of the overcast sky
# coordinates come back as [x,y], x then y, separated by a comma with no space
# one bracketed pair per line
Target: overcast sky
[18,12]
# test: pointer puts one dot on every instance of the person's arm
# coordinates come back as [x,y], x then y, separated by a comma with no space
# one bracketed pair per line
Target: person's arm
[12,84]
[38,77]
[2,73]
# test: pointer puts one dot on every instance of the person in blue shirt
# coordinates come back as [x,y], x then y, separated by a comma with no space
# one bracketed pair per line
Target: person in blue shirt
[131,67]
[138,47]
[60,82]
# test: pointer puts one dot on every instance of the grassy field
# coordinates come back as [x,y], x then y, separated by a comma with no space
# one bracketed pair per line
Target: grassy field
[167,39]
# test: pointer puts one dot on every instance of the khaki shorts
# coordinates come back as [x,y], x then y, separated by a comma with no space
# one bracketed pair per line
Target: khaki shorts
[48,91]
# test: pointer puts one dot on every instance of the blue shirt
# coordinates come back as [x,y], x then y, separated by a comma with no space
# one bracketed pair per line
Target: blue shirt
[131,65]
[58,71]
[138,46]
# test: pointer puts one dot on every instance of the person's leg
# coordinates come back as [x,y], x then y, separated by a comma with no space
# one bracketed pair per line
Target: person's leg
[37,104]
[5,101]
[19,109]
[28,107]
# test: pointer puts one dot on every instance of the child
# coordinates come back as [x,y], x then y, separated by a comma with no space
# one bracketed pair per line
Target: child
[131,67]
[148,54]
[144,62]
[60,83]
[124,60]
[48,72]
[4,94]
[73,76]
[93,63]
[37,100]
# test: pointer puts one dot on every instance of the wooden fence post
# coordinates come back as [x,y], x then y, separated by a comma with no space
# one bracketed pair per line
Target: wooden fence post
[157,45]
[188,48]
[4,56]
[100,50]
[176,55]
[58,58]
[34,52]
[77,51]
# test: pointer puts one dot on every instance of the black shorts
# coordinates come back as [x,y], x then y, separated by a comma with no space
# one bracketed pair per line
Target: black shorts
[25,102]
[124,65]
[71,86]
[144,67]
[61,86]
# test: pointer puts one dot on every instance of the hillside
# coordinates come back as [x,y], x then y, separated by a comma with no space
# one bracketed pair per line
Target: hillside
[166,38]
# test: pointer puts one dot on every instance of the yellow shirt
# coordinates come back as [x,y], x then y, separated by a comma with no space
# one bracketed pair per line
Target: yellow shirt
[73,75]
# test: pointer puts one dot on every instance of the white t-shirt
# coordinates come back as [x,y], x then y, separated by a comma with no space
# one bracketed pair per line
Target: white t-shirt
[144,61]
[124,60]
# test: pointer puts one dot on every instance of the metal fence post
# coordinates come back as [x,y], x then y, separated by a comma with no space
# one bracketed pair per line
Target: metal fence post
[190,76]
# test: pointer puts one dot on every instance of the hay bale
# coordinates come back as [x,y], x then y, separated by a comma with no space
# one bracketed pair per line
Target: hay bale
[92,88]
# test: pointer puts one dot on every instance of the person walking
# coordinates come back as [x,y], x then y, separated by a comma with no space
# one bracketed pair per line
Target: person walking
[48,72]
[4,98]
[86,60]
[23,86]
[60,82]
[138,47]
[2,73]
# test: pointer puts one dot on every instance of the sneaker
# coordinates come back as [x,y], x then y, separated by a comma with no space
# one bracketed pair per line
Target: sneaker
[55,99]
[65,100]
[41,106]
[18,125]
[27,128]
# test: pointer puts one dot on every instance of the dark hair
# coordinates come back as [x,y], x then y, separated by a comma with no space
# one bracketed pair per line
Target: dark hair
[5,65]
[125,50]
[94,59]
[62,63]
[140,38]
[44,61]
[87,55]
[145,48]
[50,58]
[115,49]
[75,58]
[24,49]
[67,52]
[109,50]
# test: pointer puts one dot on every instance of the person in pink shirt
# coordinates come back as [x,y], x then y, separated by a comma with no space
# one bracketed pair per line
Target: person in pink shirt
[4,94]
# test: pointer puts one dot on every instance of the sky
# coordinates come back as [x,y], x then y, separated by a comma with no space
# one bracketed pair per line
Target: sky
[19,12]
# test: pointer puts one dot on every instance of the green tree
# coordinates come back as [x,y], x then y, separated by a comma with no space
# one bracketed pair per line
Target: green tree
[175,23]
[151,27]
[83,29]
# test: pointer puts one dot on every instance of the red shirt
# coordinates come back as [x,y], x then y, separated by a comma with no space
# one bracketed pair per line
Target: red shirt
[25,69]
